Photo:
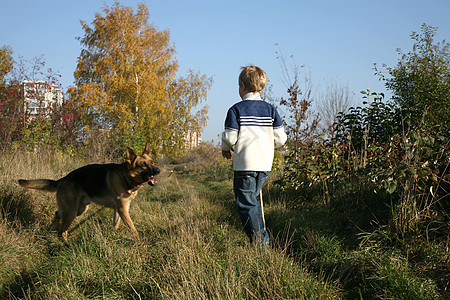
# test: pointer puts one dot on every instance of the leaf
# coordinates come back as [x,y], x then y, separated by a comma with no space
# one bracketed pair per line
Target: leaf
[391,186]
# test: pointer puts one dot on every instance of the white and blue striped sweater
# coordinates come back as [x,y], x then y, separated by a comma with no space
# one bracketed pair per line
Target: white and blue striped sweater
[253,129]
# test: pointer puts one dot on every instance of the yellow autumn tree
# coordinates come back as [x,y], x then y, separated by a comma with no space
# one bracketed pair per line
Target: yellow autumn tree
[6,62]
[126,83]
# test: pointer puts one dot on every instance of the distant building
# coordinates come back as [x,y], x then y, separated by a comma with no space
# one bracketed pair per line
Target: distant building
[40,96]
[193,139]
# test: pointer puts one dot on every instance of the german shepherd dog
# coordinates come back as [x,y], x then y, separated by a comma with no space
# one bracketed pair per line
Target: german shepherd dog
[109,185]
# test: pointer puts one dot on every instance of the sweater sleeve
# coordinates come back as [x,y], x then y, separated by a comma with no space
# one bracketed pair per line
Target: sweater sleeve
[230,134]
[279,137]
[279,134]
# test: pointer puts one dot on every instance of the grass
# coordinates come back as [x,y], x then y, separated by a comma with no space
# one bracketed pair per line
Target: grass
[192,245]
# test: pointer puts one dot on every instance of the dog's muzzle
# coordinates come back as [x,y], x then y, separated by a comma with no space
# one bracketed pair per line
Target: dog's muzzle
[151,178]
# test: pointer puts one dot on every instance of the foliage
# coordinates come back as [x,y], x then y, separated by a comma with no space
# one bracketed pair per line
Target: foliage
[372,148]
[420,81]
[55,125]
[376,161]
[125,82]
[411,163]
[65,125]
[6,62]
[10,100]
[375,123]
[298,126]
[36,132]
[11,113]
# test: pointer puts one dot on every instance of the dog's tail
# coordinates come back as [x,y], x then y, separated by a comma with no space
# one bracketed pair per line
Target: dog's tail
[40,184]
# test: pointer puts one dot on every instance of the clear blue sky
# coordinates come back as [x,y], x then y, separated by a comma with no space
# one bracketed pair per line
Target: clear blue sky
[336,40]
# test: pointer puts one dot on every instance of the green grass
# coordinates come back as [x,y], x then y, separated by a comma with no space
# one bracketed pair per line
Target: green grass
[192,246]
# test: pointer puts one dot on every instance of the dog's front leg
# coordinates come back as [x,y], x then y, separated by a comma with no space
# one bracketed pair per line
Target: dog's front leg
[125,216]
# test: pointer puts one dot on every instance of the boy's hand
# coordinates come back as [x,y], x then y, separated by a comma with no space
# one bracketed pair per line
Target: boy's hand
[226,154]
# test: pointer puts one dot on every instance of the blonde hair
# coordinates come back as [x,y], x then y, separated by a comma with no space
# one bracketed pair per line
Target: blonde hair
[253,77]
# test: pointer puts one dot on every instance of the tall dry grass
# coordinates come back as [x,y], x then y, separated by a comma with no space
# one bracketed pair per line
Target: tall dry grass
[191,247]
[192,244]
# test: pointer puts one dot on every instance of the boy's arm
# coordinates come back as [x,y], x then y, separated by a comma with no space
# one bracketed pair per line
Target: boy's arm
[279,135]
[229,139]
[230,135]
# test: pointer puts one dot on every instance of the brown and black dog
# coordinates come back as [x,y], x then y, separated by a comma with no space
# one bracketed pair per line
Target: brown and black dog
[109,185]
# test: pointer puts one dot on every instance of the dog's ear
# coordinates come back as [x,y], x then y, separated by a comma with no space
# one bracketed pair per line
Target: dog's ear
[130,156]
[146,150]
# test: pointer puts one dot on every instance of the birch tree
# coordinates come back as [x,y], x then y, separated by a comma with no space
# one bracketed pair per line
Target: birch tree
[126,82]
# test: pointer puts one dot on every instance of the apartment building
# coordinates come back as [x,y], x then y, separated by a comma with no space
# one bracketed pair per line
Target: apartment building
[40,96]
[193,139]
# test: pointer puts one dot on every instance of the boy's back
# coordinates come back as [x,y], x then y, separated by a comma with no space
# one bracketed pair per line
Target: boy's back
[254,128]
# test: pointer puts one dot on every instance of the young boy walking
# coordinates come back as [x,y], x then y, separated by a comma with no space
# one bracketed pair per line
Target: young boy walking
[253,130]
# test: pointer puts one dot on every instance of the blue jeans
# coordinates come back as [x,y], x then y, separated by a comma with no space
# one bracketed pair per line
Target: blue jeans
[247,186]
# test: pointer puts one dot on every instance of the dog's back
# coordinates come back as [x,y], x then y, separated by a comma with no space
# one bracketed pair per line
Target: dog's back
[94,179]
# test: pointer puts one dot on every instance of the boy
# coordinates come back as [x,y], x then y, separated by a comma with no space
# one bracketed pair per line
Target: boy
[253,129]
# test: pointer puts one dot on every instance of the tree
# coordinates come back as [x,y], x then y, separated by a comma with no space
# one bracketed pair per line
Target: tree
[11,103]
[369,126]
[421,80]
[6,62]
[125,82]
[300,122]
[336,99]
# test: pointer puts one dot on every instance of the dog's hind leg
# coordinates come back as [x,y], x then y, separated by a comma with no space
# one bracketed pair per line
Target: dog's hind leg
[69,201]
[116,219]
[67,219]
[56,221]
[83,206]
